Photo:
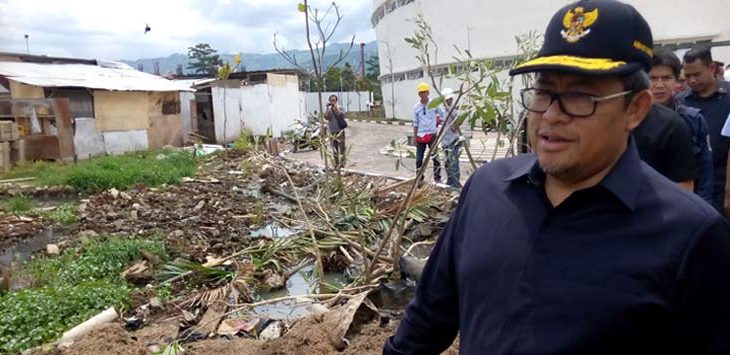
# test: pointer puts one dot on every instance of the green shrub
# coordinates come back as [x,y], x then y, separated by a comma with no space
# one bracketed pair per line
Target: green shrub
[64,214]
[98,259]
[32,317]
[70,289]
[18,204]
[121,172]
[151,168]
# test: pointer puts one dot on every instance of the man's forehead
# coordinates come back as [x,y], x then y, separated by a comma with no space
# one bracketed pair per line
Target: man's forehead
[697,64]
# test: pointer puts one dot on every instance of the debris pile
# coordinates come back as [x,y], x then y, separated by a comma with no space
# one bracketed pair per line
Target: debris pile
[241,229]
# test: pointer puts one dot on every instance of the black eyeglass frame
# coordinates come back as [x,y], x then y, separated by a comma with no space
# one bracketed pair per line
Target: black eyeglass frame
[559,98]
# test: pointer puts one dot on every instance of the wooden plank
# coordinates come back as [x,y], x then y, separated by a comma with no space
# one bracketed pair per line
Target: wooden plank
[5,163]
[64,124]
[8,131]
[193,116]
[38,147]
[17,151]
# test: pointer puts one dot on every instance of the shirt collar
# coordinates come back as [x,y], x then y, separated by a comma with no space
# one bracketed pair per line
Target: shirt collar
[623,181]
[721,90]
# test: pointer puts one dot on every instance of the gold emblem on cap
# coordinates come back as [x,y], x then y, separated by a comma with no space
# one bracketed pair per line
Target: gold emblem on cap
[576,23]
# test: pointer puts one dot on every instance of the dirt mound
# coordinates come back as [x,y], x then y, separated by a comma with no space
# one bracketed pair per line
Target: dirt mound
[108,339]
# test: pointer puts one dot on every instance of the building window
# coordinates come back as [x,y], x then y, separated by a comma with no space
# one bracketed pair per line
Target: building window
[404,2]
[81,102]
[377,16]
[171,103]
[414,74]
[390,6]
[399,77]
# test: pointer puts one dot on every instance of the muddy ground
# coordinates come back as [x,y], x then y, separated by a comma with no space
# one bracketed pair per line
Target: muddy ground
[213,215]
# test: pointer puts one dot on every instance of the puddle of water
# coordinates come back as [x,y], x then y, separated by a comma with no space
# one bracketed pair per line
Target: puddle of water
[302,283]
[273,231]
[23,250]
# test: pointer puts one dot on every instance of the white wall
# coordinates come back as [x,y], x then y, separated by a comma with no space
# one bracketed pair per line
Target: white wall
[488,29]
[232,124]
[255,100]
[283,103]
[351,101]
[271,107]
[88,142]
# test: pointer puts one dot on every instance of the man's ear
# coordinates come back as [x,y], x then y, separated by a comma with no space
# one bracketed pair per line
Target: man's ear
[638,108]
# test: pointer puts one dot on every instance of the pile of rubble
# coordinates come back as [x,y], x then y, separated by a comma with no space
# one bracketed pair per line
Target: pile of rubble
[207,223]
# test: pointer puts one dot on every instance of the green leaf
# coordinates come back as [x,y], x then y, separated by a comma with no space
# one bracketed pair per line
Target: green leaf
[302,7]
[435,102]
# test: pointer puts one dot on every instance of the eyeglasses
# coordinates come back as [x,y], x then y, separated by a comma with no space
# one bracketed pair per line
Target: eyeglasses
[574,104]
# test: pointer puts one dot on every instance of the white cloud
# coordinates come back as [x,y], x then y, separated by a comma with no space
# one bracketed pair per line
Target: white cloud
[115,30]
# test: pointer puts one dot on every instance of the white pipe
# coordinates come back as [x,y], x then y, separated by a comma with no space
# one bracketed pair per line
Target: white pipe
[109,315]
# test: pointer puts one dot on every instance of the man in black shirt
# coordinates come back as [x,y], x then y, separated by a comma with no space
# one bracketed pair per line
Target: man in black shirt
[665,143]
[665,71]
[710,96]
[579,248]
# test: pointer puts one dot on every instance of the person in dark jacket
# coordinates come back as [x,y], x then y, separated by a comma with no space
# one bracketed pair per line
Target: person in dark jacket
[712,97]
[664,74]
[336,128]
[579,247]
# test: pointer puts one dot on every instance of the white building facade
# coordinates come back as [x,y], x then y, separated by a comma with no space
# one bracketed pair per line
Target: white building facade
[487,28]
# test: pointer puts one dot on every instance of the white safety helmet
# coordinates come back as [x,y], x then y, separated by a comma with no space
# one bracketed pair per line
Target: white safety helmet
[448,93]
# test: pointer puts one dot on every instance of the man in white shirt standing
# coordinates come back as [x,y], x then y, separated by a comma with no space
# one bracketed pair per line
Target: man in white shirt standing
[425,122]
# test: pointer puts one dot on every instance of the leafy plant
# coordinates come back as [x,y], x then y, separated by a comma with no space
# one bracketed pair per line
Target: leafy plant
[70,289]
[181,266]
[151,168]
[32,317]
[98,259]
[18,204]
[173,349]
[163,291]
[64,214]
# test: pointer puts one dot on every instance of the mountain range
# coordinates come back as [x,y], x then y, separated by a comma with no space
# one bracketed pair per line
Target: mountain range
[254,61]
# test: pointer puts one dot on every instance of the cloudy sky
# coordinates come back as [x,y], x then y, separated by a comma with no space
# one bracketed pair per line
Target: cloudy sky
[105,29]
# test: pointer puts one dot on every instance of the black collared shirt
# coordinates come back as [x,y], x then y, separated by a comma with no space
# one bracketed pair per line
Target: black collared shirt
[633,265]
[664,142]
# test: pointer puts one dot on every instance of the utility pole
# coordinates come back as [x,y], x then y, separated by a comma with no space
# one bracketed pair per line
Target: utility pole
[362,59]
[27,48]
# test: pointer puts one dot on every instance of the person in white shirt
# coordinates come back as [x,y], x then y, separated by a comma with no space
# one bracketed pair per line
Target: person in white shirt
[425,123]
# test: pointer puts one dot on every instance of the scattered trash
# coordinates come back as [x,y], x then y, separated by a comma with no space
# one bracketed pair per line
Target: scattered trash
[52,249]
[273,330]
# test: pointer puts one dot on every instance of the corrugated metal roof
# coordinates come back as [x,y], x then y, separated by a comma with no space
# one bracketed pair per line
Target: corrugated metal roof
[193,82]
[106,77]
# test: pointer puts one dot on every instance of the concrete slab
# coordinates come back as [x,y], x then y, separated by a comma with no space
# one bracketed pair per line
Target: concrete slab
[120,142]
[87,140]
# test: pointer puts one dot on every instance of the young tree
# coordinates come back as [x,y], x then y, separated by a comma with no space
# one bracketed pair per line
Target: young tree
[319,27]
[325,27]
[204,59]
